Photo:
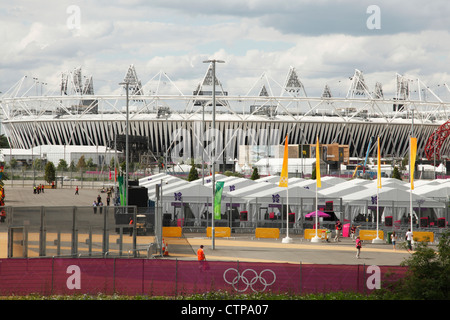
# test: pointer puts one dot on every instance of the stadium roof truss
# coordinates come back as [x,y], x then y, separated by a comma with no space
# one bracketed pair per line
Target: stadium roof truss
[74,114]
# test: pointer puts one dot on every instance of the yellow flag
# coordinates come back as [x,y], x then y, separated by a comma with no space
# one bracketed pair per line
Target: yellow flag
[413,147]
[318,183]
[284,169]
[379,166]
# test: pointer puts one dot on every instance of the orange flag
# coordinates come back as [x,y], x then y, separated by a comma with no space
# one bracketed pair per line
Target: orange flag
[284,169]
[318,182]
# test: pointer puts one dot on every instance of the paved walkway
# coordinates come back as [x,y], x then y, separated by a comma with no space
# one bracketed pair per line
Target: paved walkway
[239,248]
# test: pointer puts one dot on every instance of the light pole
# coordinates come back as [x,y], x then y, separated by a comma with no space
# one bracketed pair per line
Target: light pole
[213,156]
[127,84]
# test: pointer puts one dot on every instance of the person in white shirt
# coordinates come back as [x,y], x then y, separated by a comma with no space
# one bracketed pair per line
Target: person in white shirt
[409,237]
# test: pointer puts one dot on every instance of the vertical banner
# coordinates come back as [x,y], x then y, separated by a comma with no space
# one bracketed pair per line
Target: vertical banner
[284,169]
[379,166]
[218,199]
[121,190]
[413,150]
[318,182]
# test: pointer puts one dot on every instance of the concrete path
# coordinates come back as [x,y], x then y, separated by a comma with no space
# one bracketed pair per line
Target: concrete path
[239,248]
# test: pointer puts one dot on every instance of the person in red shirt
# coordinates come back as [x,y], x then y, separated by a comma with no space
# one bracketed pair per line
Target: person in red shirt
[358,247]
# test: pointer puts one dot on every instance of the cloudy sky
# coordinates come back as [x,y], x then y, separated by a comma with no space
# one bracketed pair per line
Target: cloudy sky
[324,40]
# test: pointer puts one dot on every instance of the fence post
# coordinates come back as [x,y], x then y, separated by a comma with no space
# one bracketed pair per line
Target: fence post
[114,276]
[301,278]
[176,277]
[53,268]
[364,283]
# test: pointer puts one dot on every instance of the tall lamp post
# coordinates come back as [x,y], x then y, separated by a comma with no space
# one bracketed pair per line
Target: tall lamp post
[127,83]
[213,156]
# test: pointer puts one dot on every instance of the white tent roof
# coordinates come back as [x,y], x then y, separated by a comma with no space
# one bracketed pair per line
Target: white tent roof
[311,185]
[249,190]
[434,191]
[267,194]
[388,196]
[344,188]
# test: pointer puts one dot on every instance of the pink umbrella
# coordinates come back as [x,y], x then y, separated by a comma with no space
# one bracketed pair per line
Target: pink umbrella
[320,214]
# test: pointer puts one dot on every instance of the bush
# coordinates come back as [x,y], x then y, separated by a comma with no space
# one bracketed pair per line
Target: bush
[428,276]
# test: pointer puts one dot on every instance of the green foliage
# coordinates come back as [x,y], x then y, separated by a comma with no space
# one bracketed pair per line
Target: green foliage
[428,276]
[50,172]
[81,163]
[4,144]
[396,174]
[255,174]
[233,174]
[62,165]
[193,173]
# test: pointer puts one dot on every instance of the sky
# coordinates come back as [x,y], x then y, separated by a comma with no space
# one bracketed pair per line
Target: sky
[325,41]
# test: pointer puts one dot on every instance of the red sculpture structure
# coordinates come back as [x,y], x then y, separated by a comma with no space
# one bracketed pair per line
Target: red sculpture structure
[436,140]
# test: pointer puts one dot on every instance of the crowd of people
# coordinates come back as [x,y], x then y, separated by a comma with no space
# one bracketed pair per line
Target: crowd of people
[38,189]
[98,202]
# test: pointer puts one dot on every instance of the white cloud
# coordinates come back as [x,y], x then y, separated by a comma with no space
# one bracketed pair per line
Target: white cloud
[324,40]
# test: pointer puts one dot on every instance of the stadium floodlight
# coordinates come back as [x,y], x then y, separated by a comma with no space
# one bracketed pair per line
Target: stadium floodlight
[213,157]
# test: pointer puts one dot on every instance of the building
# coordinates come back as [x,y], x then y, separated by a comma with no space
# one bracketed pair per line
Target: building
[179,126]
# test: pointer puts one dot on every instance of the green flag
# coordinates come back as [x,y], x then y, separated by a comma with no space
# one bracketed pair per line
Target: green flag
[122,190]
[218,199]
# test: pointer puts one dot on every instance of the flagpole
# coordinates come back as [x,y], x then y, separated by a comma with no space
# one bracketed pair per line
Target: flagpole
[412,163]
[318,185]
[377,238]
[284,183]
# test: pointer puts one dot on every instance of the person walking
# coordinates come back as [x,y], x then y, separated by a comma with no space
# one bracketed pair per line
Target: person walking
[409,237]
[358,247]
[338,230]
[393,239]
[76,190]
[201,258]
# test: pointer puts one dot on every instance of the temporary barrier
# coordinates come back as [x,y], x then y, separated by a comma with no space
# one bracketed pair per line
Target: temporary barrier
[267,233]
[162,277]
[223,232]
[311,233]
[423,236]
[370,234]
[172,231]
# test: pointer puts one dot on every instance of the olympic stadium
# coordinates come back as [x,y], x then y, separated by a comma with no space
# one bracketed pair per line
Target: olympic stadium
[163,120]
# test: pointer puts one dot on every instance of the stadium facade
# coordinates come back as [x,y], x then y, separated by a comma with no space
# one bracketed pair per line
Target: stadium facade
[170,122]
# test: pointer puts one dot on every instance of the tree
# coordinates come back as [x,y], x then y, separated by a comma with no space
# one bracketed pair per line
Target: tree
[50,172]
[81,163]
[428,274]
[62,165]
[90,164]
[4,142]
[193,173]
[255,174]
[313,173]
[396,174]
[13,163]
[72,165]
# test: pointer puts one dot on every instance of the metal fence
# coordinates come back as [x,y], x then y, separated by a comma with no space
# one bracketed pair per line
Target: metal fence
[80,231]
[85,231]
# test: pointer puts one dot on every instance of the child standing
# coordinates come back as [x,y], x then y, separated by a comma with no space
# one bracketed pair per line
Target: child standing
[393,239]
[358,247]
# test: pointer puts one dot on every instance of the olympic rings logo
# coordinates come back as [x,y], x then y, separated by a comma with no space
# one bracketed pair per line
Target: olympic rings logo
[249,278]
